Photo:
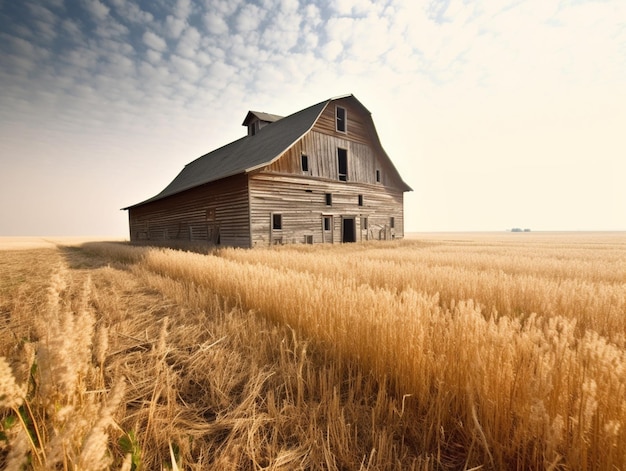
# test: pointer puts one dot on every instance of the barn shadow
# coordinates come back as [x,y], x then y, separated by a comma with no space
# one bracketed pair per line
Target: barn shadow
[91,256]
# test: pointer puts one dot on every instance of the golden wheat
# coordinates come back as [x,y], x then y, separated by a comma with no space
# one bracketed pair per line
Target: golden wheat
[378,305]
[498,352]
[49,416]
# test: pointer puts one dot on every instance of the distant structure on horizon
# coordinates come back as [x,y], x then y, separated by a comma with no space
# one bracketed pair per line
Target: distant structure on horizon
[319,175]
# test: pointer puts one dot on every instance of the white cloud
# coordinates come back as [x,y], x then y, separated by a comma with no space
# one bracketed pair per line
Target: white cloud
[72,28]
[312,15]
[220,72]
[44,22]
[152,75]
[215,24]
[182,9]
[96,8]
[331,50]
[372,38]
[310,41]
[188,43]
[204,59]
[244,52]
[42,13]
[133,13]
[153,56]
[185,68]
[116,46]
[20,46]
[249,18]
[154,41]
[353,7]
[222,7]
[174,26]
[55,3]
[82,58]
[271,78]
[283,33]
[111,29]
[120,65]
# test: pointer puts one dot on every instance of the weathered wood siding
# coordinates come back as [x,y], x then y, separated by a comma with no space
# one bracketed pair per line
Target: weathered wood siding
[359,125]
[211,213]
[365,155]
[301,202]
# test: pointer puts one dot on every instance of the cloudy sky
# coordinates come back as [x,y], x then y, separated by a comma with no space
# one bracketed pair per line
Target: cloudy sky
[498,113]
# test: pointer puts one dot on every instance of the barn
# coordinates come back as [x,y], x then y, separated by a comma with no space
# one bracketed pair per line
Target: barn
[319,175]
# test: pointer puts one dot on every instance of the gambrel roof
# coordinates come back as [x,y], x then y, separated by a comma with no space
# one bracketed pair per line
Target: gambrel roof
[250,152]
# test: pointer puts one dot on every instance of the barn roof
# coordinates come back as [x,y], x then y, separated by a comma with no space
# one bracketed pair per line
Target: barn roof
[248,153]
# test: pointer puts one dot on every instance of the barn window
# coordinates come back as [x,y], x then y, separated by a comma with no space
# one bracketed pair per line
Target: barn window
[377,176]
[327,223]
[392,222]
[342,163]
[341,114]
[253,127]
[304,161]
[329,199]
[308,239]
[360,200]
[277,222]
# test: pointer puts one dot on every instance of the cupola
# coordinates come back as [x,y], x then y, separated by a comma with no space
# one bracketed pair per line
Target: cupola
[255,120]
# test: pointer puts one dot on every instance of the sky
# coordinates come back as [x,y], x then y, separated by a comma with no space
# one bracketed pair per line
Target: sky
[498,113]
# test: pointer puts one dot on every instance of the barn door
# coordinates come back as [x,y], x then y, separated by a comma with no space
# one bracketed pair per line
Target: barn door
[348,229]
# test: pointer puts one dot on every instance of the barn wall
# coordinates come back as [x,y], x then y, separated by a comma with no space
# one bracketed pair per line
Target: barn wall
[365,155]
[301,202]
[212,213]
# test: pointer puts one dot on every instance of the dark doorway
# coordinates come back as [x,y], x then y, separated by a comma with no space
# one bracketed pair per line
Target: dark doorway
[348,230]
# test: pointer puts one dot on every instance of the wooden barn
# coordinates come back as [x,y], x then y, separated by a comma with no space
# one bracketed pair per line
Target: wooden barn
[319,175]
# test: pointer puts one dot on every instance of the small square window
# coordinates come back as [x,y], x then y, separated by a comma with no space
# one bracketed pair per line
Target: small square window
[360,200]
[327,223]
[277,222]
[304,160]
[329,199]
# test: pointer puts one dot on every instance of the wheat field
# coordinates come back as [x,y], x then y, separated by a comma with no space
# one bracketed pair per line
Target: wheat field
[443,351]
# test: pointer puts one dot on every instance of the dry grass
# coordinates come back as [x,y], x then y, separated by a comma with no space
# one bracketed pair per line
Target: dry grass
[496,352]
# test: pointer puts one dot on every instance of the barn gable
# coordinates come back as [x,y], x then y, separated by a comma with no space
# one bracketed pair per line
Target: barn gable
[314,154]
